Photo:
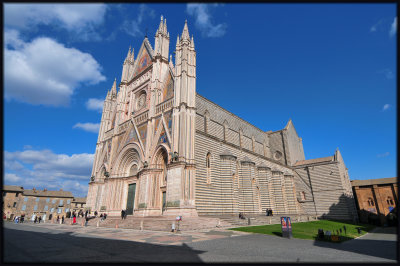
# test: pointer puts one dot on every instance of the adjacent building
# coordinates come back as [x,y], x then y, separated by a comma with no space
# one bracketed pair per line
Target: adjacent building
[163,149]
[375,199]
[17,201]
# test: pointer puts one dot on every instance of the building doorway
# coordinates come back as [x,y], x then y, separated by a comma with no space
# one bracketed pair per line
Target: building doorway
[164,201]
[130,203]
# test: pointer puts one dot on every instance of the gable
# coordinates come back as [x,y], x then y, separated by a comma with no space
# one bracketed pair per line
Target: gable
[143,60]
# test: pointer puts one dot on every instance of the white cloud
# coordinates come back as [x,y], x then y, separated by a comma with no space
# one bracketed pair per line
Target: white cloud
[383,155]
[44,71]
[386,107]
[393,28]
[79,18]
[11,178]
[387,73]
[133,26]
[201,12]
[49,170]
[95,104]
[90,127]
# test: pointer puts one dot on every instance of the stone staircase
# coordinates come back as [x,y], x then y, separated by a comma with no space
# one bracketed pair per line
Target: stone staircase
[164,223]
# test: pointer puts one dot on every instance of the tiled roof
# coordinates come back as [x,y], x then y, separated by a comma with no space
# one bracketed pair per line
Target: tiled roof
[79,200]
[48,193]
[312,161]
[368,182]
[13,188]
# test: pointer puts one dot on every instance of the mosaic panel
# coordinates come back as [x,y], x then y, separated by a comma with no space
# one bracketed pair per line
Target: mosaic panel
[132,136]
[143,62]
[156,125]
[143,133]
[168,90]
[168,121]
[163,137]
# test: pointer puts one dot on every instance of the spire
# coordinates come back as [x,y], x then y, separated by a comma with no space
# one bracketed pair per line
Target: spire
[192,42]
[129,52]
[132,55]
[177,40]
[185,32]
[114,87]
[165,26]
[161,26]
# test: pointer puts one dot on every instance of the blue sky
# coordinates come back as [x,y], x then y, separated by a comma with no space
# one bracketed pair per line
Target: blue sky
[331,68]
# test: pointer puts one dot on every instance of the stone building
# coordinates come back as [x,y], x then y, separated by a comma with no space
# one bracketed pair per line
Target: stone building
[12,196]
[375,198]
[33,201]
[163,149]
[78,204]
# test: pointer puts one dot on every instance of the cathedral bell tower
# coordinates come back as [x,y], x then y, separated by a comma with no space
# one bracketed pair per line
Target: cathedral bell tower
[181,174]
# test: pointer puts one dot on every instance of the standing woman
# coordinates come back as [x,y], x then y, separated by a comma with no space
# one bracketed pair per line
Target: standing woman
[74,221]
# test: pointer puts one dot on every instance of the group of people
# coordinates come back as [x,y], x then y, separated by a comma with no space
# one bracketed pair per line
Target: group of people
[268,212]
[19,219]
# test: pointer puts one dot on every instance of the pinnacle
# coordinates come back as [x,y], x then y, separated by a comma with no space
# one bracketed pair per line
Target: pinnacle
[185,32]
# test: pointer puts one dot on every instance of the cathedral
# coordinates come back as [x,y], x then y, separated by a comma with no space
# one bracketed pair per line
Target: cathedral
[165,150]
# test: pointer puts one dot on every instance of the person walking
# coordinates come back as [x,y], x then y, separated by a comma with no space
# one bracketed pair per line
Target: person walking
[58,218]
[62,219]
[35,219]
[74,221]
[44,218]
[22,217]
[50,216]
[40,218]
[122,214]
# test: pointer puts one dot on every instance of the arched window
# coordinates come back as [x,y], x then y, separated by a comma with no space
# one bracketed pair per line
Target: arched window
[208,167]
[389,201]
[370,202]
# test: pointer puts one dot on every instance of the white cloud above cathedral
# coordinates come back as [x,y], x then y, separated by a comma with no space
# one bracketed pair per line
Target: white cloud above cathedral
[45,71]
[203,18]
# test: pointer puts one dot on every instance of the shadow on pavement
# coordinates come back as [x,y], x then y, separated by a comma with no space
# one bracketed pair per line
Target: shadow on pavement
[377,248]
[58,246]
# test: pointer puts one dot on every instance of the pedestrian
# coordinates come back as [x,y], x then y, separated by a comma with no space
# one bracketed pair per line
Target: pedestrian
[122,214]
[22,218]
[95,213]
[58,218]
[86,213]
[86,220]
[50,216]
[44,218]
[105,216]
[74,221]
[40,218]
[35,219]
[62,219]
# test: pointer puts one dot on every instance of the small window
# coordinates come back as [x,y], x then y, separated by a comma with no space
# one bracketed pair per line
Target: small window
[67,210]
[371,202]
[59,210]
[389,201]
[208,167]
[14,205]
[23,207]
[53,201]
[48,200]
[37,199]
[52,210]
[46,208]
[61,201]
[35,208]
[68,201]
[26,199]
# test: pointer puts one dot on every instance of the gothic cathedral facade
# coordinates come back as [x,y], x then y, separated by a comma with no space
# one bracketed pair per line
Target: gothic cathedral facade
[163,150]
